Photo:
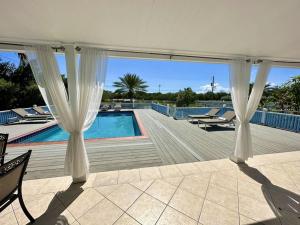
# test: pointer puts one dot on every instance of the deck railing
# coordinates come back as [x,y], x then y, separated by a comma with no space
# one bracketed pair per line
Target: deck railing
[161,108]
[7,114]
[284,121]
[136,105]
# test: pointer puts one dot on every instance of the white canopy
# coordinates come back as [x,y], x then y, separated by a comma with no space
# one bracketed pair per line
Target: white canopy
[268,28]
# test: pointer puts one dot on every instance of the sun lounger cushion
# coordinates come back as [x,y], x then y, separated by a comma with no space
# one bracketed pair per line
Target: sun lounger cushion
[212,121]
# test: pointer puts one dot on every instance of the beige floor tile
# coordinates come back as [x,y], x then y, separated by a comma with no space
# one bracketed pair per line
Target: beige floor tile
[253,190]
[55,184]
[8,219]
[173,180]
[107,190]
[126,220]
[70,194]
[256,210]
[260,160]
[195,185]
[187,203]
[213,214]
[106,178]
[201,176]
[29,198]
[82,203]
[124,196]
[295,177]
[288,218]
[146,210]
[161,190]
[150,173]
[170,171]
[292,167]
[143,185]
[293,170]
[205,167]
[129,176]
[171,216]
[223,197]
[75,223]
[33,187]
[229,172]
[285,200]
[46,209]
[90,181]
[104,213]
[224,164]
[188,168]
[6,210]
[277,176]
[225,181]
[282,157]
[247,221]
[251,175]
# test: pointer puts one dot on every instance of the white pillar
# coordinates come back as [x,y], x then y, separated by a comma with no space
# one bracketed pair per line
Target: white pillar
[263,115]
[168,109]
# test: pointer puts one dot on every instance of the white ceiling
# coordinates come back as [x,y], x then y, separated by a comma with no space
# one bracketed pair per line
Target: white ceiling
[265,28]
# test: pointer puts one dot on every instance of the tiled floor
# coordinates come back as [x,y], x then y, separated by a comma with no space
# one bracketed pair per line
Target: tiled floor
[266,191]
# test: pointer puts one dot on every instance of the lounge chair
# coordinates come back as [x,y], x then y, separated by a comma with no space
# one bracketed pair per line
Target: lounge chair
[41,111]
[11,178]
[104,107]
[27,116]
[117,107]
[226,118]
[3,143]
[212,113]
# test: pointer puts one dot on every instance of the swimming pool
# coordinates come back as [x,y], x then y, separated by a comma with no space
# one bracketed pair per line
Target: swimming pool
[106,125]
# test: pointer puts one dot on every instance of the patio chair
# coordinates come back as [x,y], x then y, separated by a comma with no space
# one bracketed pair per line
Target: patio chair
[118,107]
[3,143]
[104,107]
[212,113]
[41,111]
[11,178]
[27,116]
[226,118]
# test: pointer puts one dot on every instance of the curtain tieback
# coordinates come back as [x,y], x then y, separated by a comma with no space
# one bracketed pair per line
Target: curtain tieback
[245,123]
[77,132]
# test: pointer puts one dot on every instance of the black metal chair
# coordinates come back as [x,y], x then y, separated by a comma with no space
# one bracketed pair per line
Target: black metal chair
[3,143]
[11,178]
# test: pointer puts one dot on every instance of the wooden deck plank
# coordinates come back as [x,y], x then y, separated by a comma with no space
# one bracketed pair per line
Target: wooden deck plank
[169,141]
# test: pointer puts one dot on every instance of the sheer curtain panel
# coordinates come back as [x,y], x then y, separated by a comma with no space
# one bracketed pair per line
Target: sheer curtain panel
[76,109]
[245,107]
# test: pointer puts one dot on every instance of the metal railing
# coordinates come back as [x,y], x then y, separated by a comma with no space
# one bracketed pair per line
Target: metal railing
[6,115]
[284,121]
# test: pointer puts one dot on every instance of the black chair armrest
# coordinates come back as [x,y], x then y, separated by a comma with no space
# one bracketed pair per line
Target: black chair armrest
[2,155]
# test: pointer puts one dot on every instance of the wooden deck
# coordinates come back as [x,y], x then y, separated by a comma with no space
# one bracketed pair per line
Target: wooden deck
[169,141]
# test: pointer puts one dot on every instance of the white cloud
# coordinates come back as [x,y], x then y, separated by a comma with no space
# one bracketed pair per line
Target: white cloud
[272,84]
[218,88]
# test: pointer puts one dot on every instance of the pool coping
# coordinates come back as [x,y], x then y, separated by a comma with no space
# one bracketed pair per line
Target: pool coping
[143,135]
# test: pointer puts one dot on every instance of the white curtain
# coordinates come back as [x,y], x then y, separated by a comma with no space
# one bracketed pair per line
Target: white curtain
[244,108]
[76,110]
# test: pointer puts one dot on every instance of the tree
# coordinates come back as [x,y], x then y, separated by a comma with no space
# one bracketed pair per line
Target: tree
[185,97]
[129,84]
[268,90]
[7,93]
[279,97]
[293,87]
[17,85]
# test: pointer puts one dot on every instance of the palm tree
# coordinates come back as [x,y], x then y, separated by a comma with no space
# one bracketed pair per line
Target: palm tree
[129,84]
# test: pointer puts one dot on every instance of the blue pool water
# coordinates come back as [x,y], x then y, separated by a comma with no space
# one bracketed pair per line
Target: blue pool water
[106,125]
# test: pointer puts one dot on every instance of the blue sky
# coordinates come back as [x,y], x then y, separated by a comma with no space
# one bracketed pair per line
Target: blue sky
[171,75]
